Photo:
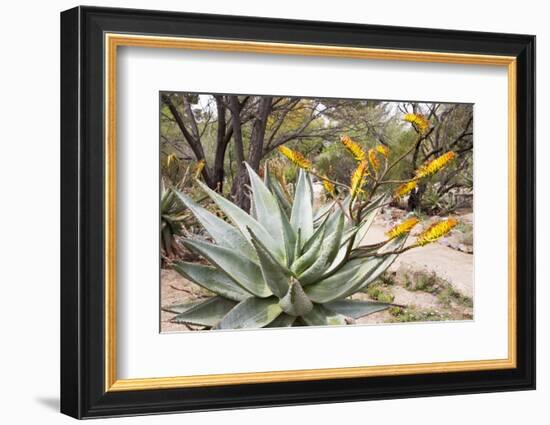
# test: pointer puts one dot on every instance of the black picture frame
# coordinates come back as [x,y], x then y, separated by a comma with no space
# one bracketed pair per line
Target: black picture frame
[83,392]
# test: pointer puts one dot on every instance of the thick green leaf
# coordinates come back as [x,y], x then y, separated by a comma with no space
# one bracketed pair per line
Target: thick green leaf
[243,220]
[319,231]
[267,209]
[374,204]
[333,219]
[222,232]
[289,237]
[251,313]
[180,308]
[301,217]
[356,309]
[276,276]
[323,212]
[308,257]
[243,271]
[283,321]
[388,261]
[321,316]
[297,244]
[351,277]
[296,302]
[207,313]
[338,284]
[326,256]
[166,199]
[212,279]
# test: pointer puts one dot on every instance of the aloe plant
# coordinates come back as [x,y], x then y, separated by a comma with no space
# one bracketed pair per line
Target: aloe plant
[173,216]
[277,269]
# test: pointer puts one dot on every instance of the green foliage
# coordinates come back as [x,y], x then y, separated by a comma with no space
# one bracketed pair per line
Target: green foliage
[380,293]
[415,314]
[381,289]
[334,162]
[173,218]
[299,272]
[176,219]
[433,284]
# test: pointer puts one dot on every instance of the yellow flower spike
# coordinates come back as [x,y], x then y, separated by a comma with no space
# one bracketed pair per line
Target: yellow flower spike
[295,157]
[200,167]
[354,148]
[329,187]
[419,121]
[434,166]
[436,231]
[383,150]
[358,178]
[405,189]
[402,228]
[373,159]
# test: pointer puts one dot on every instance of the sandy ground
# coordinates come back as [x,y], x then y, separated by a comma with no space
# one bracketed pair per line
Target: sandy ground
[453,266]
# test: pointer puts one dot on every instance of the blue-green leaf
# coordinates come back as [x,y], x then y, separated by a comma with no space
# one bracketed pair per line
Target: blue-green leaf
[251,313]
[321,230]
[327,253]
[301,216]
[212,279]
[321,316]
[207,313]
[308,257]
[180,308]
[356,309]
[243,220]
[283,321]
[296,302]
[276,276]
[243,271]
[222,232]
[267,208]
[353,276]
[289,238]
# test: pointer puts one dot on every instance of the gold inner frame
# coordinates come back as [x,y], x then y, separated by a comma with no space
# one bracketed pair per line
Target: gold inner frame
[113,41]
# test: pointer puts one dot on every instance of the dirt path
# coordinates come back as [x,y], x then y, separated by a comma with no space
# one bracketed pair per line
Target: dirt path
[454,266]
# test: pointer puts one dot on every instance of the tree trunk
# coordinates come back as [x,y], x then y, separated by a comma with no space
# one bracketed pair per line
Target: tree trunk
[240,178]
[239,189]
[414,203]
[258,133]
[193,143]
[221,146]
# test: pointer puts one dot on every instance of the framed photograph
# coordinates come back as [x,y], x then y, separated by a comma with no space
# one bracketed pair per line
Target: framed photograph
[261,212]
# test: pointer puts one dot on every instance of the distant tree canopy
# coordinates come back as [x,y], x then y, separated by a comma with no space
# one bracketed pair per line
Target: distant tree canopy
[224,131]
